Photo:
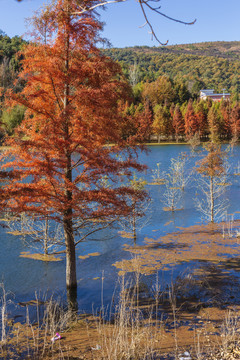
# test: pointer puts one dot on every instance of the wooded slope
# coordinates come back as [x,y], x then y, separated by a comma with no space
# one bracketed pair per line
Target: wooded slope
[205,65]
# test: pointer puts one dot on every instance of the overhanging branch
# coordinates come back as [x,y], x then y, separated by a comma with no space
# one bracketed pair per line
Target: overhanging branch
[142,4]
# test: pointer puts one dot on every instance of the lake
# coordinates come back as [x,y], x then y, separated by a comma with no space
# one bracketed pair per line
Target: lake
[26,277]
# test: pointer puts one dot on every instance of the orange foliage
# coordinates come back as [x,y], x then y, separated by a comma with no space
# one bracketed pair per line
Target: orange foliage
[178,122]
[212,164]
[191,124]
[71,133]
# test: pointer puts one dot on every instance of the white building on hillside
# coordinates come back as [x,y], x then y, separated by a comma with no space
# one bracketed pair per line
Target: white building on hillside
[209,93]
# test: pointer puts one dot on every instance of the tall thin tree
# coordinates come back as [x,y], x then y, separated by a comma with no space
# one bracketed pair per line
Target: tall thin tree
[60,151]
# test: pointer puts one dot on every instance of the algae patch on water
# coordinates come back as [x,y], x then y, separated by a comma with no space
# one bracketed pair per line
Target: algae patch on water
[83,257]
[41,257]
[199,243]
[126,235]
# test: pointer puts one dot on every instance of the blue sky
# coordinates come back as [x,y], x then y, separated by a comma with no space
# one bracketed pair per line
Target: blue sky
[217,20]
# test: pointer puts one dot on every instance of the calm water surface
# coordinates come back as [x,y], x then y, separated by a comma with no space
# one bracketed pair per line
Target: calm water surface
[25,277]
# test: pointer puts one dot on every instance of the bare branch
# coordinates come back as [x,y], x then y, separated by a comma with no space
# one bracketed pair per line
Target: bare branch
[142,3]
[96,6]
[149,24]
[91,232]
[166,16]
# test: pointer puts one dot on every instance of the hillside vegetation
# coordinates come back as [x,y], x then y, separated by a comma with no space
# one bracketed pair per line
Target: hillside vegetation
[205,65]
[223,49]
[9,63]
[165,83]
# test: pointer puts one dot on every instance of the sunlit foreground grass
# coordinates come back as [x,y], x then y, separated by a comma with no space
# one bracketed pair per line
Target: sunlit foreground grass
[137,329]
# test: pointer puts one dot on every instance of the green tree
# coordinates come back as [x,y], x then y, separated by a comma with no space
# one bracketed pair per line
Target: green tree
[12,117]
[214,124]
[181,92]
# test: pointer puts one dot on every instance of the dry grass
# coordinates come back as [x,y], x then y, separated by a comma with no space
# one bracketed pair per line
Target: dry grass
[33,340]
[130,334]
[135,331]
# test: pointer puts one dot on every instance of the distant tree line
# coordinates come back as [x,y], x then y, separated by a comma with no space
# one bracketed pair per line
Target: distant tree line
[208,120]
[195,70]
[174,115]
[164,96]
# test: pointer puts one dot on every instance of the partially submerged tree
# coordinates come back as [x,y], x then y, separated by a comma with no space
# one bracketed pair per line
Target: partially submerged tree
[172,196]
[178,169]
[158,175]
[60,151]
[212,183]
[43,235]
[194,142]
[139,203]
[175,184]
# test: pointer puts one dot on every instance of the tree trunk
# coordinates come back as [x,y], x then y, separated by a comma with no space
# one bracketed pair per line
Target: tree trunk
[134,230]
[72,302]
[134,223]
[46,236]
[71,274]
[211,199]
[71,277]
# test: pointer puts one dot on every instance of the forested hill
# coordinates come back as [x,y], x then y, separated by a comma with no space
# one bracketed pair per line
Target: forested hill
[224,49]
[205,65]
[201,65]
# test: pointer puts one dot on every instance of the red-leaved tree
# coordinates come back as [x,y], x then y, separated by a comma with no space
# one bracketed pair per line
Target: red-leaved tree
[71,133]
[178,123]
[235,121]
[191,124]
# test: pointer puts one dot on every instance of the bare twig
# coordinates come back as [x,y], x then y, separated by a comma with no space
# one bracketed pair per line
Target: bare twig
[143,4]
